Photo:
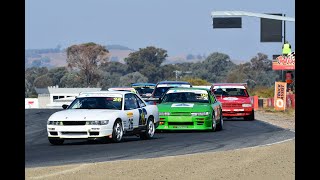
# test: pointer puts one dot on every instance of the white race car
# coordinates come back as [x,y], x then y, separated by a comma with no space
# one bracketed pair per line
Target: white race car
[103,115]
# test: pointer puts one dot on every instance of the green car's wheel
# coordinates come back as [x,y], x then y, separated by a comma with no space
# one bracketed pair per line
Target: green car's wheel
[220,123]
[214,123]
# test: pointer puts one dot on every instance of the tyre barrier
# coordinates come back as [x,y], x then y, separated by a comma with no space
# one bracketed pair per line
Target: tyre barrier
[269,102]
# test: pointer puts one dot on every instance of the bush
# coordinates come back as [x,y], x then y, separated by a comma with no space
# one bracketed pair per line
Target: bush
[262,92]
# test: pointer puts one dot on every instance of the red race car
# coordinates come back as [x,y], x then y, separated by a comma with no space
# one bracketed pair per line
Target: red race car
[235,99]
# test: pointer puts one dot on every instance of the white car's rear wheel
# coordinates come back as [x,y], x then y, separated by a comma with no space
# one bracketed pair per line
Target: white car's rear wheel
[150,129]
[117,132]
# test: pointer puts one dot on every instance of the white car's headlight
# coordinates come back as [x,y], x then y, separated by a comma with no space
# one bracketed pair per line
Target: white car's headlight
[103,122]
[164,114]
[54,122]
[246,105]
[200,114]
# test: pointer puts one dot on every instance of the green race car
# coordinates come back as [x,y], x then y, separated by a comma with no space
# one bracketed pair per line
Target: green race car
[189,109]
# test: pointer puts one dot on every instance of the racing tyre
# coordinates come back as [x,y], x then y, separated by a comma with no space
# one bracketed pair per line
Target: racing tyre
[250,117]
[117,132]
[220,123]
[150,129]
[56,141]
[214,123]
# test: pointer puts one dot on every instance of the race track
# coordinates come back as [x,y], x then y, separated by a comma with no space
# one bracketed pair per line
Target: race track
[236,134]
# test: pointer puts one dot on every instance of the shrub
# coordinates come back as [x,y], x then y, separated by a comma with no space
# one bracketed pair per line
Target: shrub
[262,92]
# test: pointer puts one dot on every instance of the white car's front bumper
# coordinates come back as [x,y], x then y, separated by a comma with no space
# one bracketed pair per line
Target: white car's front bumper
[78,132]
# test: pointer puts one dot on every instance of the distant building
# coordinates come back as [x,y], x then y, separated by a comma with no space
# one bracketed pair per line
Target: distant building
[54,97]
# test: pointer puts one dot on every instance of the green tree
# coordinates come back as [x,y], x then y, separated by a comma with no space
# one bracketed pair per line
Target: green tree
[110,80]
[261,63]
[29,91]
[256,73]
[56,74]
[196,81]
[214,68]
[30,75]
[114,68]
[71,80]
[87,58]
[147,61]
[166,72]
[130,78]
[43,81]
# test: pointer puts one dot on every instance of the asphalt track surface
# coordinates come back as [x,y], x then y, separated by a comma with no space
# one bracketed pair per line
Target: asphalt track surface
[235,135]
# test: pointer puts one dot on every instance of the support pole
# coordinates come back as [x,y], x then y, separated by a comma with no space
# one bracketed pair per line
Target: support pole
[283,72]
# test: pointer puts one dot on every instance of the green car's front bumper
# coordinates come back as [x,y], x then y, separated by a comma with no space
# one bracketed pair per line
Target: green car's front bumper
[185,123]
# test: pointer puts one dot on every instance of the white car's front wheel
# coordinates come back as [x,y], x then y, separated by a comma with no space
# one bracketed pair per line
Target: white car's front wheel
[117,132]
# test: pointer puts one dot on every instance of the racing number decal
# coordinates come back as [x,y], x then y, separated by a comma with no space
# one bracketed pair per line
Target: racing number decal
[117,99]
[142,116]
[130,123]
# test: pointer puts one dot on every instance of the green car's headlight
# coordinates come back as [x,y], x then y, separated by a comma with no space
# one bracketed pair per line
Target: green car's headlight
[164,114]
[200,114]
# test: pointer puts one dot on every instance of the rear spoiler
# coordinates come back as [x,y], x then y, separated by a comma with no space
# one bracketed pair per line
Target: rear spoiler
[243,84]
[151,100]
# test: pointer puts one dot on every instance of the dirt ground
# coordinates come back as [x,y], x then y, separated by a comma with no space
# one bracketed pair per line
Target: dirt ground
[275,161]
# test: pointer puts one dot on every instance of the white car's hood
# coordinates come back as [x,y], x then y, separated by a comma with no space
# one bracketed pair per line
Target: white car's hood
[84,114]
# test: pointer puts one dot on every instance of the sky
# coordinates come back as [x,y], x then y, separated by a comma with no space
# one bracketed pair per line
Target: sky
[178,26]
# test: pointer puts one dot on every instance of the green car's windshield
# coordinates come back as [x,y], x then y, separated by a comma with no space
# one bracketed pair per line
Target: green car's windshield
[186,97]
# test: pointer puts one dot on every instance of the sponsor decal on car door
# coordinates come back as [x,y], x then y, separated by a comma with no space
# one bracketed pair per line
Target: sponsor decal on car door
[142,116]
[130,121]
[136,117]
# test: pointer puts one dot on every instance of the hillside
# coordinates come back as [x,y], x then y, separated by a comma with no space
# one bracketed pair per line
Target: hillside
[56,58]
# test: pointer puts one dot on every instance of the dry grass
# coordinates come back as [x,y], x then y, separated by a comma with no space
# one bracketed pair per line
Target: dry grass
[289,111]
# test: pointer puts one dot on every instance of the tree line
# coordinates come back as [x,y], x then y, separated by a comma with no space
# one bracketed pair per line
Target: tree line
[89,65]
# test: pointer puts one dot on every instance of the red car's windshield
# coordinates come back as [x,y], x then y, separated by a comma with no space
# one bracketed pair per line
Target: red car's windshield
[231,92]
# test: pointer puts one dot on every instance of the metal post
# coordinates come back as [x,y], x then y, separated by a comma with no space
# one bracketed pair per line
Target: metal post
[176,71]
[284,29]
[284,40]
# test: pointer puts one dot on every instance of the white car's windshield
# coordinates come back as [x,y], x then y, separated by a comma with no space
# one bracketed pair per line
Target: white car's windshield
[97,103]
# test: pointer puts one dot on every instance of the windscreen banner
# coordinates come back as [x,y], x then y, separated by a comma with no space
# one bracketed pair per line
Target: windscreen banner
[284,62]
